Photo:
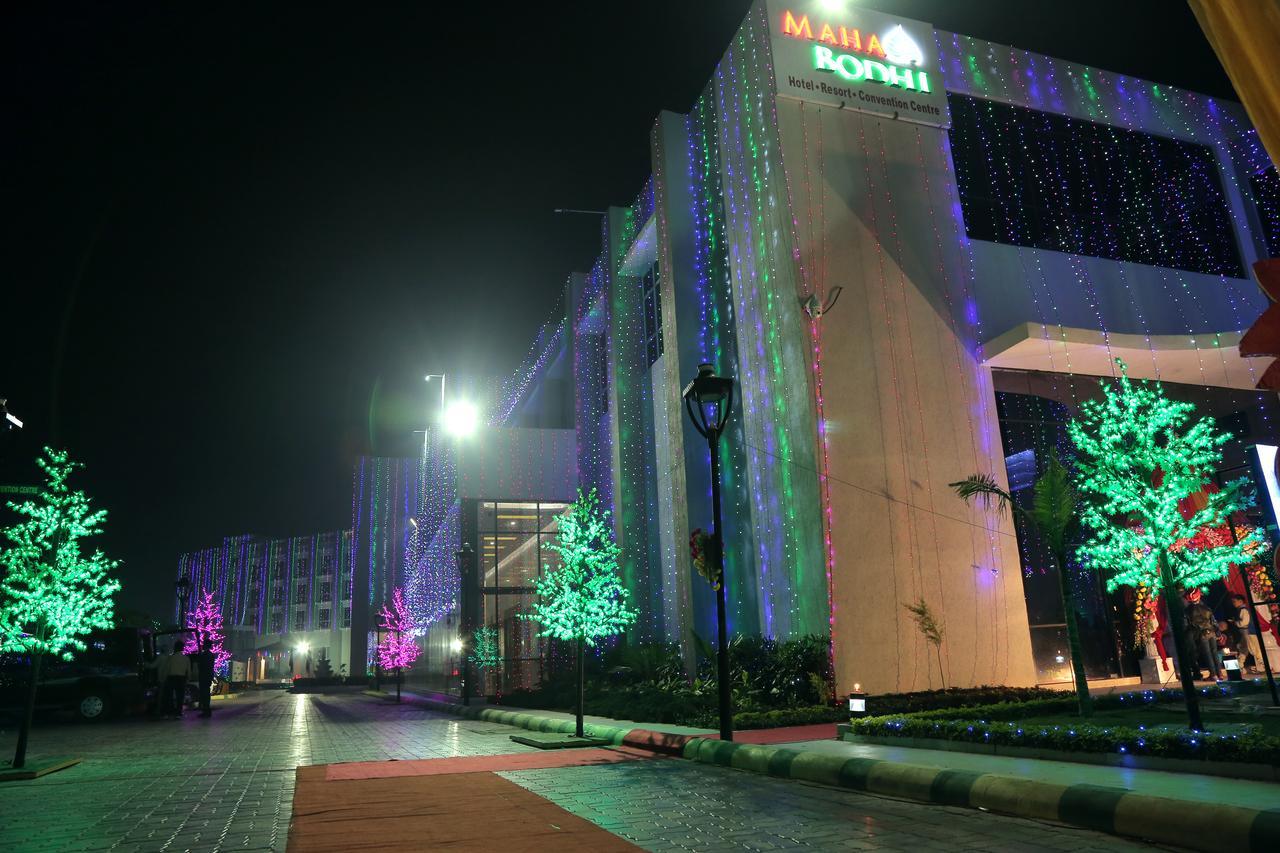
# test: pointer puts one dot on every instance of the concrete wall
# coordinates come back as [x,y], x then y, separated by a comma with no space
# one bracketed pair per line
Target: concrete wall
[908,408]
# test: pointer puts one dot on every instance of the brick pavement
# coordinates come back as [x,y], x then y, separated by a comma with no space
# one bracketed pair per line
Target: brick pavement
[228,783]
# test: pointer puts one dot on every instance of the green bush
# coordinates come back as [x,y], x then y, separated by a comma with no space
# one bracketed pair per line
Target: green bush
[998,724]
[1251,745]
[789,717]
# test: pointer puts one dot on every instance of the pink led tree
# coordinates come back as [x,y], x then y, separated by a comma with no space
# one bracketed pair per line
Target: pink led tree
[397,650]
[205,632]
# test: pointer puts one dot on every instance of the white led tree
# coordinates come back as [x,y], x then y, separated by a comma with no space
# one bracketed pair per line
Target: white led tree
[52,592]
[583,600]
[1139,454]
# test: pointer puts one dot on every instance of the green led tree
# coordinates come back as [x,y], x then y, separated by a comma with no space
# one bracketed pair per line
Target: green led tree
[1138,455]
[1055,517]
[52,593]
[486,656]
[584,599]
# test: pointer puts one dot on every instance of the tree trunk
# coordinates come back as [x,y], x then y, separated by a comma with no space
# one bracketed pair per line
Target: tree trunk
[581,689]
[24,731]
[1073,637]
[1178,621]
[398,684]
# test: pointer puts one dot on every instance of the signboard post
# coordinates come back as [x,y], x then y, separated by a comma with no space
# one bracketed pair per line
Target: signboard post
[857,59]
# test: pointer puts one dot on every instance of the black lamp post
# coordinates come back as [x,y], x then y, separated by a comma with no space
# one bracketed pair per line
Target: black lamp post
[182,587]
[469,589]
[710,392]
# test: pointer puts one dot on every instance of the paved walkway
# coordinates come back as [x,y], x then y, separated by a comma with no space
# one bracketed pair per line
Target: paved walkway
[228,784]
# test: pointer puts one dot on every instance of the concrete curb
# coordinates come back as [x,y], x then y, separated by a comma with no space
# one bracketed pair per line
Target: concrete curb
[1188,824]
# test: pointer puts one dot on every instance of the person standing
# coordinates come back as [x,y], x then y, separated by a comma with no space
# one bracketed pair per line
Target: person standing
[175,672]
[204,660]
[1202,635]
[1243,639]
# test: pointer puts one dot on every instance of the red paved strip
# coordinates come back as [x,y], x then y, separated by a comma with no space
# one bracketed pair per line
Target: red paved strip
[539,760]
[471,812]
[791,734]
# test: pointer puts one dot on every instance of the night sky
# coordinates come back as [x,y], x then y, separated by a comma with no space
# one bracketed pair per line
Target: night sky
[238,236]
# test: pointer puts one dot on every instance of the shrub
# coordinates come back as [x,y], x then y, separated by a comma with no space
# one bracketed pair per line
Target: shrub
[998,724]
[1250,745]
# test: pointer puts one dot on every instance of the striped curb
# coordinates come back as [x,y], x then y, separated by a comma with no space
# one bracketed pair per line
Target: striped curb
[1189,824]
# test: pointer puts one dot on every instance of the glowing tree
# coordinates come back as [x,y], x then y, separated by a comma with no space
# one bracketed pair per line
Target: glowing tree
[52,593]
[398,650]
[584,599]
[486,654]
[206,632]
[1138,455]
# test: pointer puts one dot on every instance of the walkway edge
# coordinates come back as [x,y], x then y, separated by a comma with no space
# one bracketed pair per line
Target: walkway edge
[1189,824]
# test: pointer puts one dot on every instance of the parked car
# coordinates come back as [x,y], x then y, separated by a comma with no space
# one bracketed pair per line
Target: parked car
[109,676]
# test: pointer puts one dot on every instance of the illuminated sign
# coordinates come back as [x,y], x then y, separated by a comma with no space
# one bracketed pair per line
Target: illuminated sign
[841,55]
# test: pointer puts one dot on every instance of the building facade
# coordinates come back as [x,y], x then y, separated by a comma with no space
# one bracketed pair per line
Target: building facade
[916,253]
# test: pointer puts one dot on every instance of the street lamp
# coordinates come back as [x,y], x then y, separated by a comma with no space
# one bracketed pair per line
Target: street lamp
[709,400]
[182,588]
[469,589]
[461,418]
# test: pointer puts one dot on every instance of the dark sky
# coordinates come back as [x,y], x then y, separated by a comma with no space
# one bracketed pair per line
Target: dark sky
[227,225]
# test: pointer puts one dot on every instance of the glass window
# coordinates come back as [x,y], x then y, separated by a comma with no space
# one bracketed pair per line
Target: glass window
[326,591]
[346,616]
[517,518]
[324,617]
[487,519]
[277,595]
[277,622]
[299,619]
[548,517]
[652,313]
[302,592]
[518,559]
[519,636]
[488,559]
[1266,196]
[1031,178]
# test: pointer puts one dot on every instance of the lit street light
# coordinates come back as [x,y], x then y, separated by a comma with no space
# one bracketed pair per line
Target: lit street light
[708,391]
[461,418]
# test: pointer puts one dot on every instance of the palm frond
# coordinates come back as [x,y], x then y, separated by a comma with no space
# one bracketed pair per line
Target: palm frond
[1053,507]
[983,488]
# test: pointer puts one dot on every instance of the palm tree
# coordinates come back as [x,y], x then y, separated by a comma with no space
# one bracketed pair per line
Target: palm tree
[1054,516]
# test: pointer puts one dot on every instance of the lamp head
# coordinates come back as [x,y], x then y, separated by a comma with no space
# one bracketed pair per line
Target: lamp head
[707,388]
[461,418]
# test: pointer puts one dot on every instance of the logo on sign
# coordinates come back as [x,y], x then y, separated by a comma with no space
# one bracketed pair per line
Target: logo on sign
[847,52]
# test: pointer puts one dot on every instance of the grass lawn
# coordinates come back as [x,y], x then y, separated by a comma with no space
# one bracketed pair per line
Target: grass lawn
[1171,715]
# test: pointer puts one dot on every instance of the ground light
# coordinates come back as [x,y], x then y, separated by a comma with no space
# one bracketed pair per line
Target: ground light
[709,400]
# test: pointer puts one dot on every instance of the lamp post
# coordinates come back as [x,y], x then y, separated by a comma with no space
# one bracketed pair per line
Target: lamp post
[708,391]
[182,589]
[469,587]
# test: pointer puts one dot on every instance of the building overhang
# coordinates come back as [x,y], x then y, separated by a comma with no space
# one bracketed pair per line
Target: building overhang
[1212,358]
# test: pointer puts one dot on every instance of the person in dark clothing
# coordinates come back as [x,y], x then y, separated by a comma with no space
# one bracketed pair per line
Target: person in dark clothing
[1202,635]
[204,666]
